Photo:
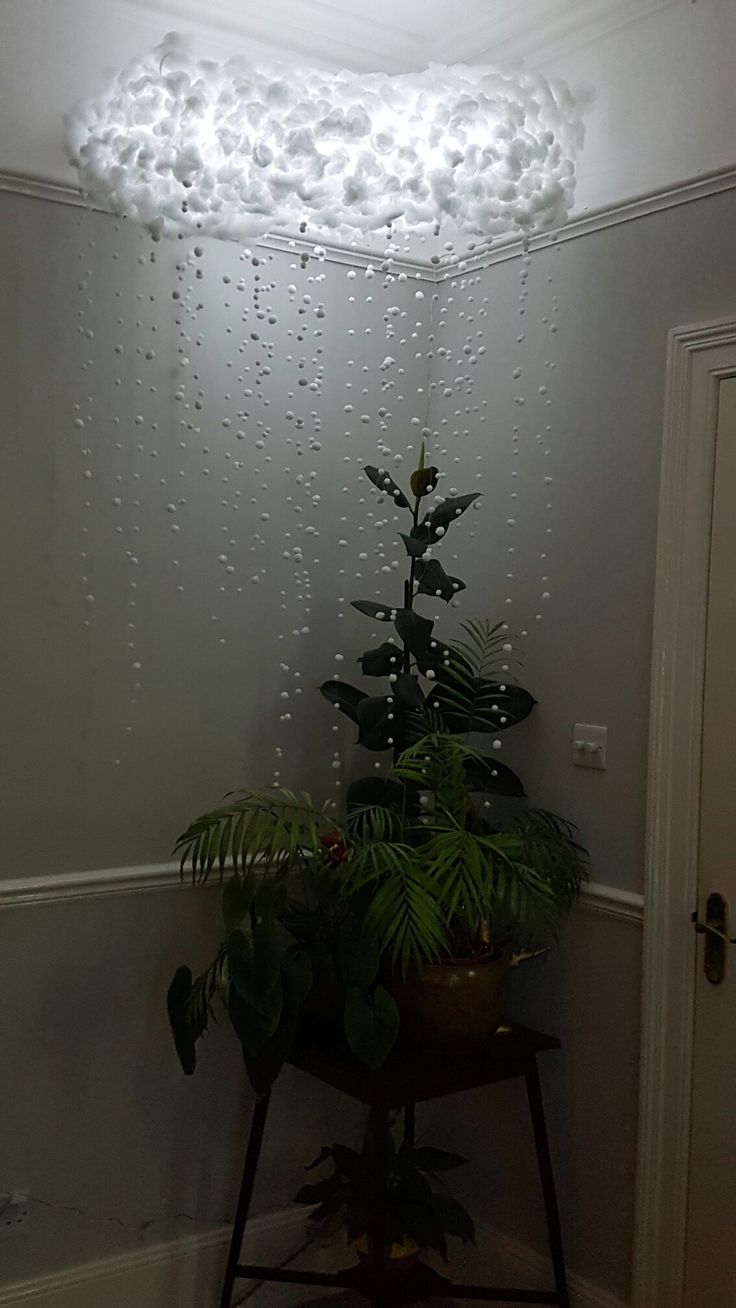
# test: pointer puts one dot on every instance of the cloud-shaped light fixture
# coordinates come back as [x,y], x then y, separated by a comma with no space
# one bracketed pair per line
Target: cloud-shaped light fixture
[237,149]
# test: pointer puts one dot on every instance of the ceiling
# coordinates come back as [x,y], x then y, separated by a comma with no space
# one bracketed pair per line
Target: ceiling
[52,52]
[399,36]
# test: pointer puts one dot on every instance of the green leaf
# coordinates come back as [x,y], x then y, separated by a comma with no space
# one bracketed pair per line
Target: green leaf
[376,722]
[346,697]
[254,963]
[449,510]
[415,545]
[433,580]
[385,482]
[317,1191]
[369,792]
[453,1218]
[296,980]
[324,1154]
[253,1026]
[407,691]
[381,661]
[371,1024]
[177,1000]
[423,481]
[237,897]
[489,777]
[427,1159]
[434,658]
[381,612]
[358,955]
[469,703]
[349,1162]
[414,631]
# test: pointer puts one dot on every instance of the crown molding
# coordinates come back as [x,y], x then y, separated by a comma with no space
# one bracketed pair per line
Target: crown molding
[596,220]
[541,31]
[585,224]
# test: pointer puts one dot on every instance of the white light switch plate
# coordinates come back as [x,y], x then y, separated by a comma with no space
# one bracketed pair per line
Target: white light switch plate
[589,745]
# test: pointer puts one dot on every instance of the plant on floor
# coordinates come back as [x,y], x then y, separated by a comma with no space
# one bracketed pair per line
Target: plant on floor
[419,1212]
[435,860]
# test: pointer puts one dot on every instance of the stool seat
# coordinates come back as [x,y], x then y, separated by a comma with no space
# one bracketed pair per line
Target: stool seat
[413,1074]
[410,1075]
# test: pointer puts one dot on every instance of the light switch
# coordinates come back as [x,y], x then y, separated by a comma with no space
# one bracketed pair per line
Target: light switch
[589,745]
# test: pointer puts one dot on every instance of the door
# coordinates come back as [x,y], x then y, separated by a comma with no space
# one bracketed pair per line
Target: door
[710,1273]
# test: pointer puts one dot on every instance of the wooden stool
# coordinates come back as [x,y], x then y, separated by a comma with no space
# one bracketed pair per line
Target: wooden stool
[409,1077]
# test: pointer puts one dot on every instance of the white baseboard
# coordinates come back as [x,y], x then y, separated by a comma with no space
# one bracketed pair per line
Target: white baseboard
[522,1260]
[182,1273]
[187,1272]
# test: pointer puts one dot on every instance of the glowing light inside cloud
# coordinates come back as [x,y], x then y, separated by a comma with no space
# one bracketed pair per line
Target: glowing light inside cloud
[235,150]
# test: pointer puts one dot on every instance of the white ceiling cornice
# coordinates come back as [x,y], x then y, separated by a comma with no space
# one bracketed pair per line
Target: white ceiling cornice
[541,31]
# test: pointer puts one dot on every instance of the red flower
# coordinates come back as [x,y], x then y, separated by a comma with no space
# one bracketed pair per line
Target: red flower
[335,846]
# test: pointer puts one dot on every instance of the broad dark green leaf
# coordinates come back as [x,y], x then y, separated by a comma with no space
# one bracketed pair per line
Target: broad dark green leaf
[253,1026]
[371,1024]
[264,1066]
[453,1218]
[493,778]
[381,661]
[423,481]
[347,1161]
[385,482]
[407,691]
[428,1159]
[470,703]
[358,955]
[449,510]
[414,630]
[237,896]
[381,612]
[434,657]
[315,1192]
[254,962]
[346,697]
[177,998]
[384,792]
[433,580]
[415,545]
[322,1157]
[377,722]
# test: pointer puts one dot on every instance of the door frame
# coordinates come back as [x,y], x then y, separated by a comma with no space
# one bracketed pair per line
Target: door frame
[698,358]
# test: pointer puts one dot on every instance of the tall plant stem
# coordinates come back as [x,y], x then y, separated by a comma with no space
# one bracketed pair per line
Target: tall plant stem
[409,583]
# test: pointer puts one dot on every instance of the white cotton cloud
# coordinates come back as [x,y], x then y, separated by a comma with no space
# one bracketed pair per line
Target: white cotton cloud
[235,149]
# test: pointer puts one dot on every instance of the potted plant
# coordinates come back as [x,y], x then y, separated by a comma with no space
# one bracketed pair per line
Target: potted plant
[419,1214]
[436,875]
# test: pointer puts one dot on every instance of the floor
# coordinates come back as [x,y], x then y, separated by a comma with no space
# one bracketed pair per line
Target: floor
[350,1300]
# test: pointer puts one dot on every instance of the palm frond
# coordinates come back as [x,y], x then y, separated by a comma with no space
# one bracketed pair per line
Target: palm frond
[481,649]
[271,830]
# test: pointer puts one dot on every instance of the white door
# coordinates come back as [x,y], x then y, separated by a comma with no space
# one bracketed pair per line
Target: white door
[710,1277]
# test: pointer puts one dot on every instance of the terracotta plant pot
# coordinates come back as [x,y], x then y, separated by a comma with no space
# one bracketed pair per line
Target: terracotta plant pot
[454,1002]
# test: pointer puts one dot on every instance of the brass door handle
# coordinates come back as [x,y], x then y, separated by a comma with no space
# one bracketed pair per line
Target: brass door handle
[715,930]
[704,928]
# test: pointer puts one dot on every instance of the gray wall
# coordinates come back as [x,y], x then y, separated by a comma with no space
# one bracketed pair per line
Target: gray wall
[96,1115]
[88,1071]
[124,755]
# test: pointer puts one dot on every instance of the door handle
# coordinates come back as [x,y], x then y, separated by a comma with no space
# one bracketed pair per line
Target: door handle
[715,930]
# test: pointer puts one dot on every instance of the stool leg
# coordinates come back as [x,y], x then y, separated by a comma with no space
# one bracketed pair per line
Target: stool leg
[378,1128]
[410,1120]
[255,1140]
[536,1108]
